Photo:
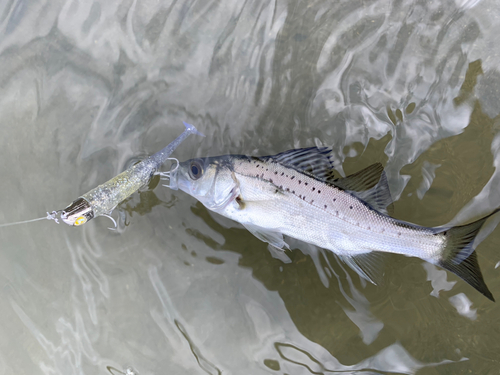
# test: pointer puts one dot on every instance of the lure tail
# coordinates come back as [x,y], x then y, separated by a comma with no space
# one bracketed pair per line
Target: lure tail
[460,257]
[192,129]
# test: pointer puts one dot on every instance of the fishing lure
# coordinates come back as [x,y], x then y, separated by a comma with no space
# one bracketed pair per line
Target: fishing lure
[103,199]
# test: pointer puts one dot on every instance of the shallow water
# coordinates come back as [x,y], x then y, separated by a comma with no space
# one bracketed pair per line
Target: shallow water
[90,87]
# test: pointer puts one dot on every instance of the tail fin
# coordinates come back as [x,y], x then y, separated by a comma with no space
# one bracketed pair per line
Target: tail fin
[460,258]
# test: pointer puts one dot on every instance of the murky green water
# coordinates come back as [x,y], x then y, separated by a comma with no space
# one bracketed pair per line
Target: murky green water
[87,88]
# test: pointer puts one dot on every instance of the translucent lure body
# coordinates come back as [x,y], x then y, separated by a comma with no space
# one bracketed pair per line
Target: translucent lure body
[104,198]
[107,196]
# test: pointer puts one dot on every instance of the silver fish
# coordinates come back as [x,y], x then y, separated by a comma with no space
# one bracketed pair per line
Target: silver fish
[101,200]
[294,193]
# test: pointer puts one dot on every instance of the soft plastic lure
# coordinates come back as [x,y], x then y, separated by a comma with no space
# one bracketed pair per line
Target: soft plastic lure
[101,200]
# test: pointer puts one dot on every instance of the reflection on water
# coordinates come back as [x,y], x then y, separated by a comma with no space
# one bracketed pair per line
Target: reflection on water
[90,87]
[438,279]
[463,304]
[393,357]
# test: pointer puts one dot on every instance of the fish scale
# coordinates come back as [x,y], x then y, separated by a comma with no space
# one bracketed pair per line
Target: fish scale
[294,194]
[352,218]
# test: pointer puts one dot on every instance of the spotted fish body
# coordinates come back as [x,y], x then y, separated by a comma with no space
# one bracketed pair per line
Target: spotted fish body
[327,216]
[294,194]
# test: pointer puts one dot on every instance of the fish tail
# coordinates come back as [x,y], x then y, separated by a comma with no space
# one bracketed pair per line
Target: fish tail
[460,257]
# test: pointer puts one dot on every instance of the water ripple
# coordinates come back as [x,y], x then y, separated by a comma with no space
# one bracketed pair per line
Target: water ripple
[89,87]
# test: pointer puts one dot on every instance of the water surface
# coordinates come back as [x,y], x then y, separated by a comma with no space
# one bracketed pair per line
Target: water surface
[88,88]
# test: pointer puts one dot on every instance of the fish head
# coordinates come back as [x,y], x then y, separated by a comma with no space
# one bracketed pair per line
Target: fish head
[209,180]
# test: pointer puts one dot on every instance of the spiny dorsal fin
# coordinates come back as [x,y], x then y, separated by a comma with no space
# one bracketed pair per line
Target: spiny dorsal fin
[315,161]
[363,180]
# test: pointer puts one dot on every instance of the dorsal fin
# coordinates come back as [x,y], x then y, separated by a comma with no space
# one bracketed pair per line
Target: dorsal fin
[363,180]
[314,161]
[369,184]
[378,197]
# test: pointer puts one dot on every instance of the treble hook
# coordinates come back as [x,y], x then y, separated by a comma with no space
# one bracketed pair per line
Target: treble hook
[176,167]
[165,175]
[113,220]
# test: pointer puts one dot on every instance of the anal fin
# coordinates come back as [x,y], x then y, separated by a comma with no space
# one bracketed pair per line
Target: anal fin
[367,265]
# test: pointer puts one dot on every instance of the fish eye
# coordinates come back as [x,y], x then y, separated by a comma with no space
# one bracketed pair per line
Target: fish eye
[195,169]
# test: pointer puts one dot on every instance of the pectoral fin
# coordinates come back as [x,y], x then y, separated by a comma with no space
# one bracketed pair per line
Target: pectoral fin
[274,238]
[368,265]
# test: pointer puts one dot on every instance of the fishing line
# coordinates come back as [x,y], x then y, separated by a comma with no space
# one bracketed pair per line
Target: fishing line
[50,216]
[22,222]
